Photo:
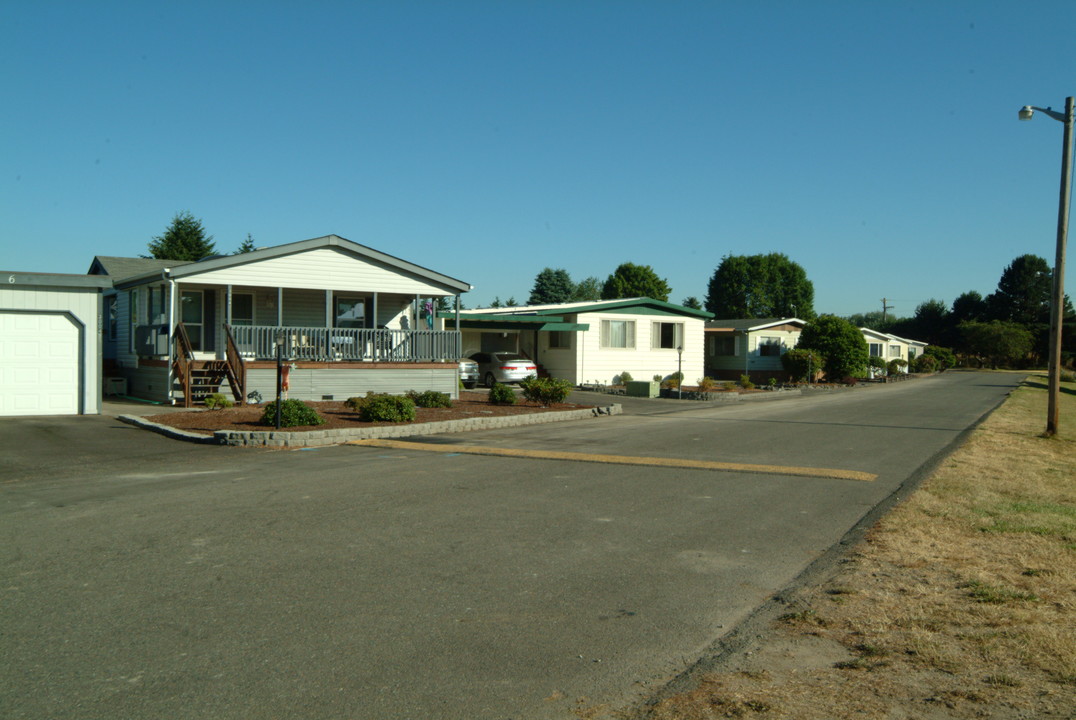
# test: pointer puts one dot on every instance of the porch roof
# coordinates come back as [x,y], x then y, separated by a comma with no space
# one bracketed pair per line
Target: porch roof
[545,323]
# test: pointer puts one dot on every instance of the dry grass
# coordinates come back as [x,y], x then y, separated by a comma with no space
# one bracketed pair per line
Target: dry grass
[960,604]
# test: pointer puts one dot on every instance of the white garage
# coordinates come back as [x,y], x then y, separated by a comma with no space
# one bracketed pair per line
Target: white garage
[50,344]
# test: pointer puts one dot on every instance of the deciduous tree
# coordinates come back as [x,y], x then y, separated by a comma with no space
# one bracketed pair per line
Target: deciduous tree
[840,342]
[631,280]
[760,286]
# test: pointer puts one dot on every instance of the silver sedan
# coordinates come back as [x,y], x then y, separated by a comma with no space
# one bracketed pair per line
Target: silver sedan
[503,367]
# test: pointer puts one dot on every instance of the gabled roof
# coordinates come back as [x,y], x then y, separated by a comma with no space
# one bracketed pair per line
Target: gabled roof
[184,268]
[122,268]
[641,305]
[752,324]
[889,336]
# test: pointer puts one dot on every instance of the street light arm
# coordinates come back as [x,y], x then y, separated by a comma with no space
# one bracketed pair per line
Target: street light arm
[1060,117]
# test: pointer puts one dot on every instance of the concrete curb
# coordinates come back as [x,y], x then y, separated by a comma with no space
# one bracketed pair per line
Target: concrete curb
[321,438]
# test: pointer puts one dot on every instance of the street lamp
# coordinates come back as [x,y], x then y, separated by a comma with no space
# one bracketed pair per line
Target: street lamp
[279,372]
[680,371]
[1057,302]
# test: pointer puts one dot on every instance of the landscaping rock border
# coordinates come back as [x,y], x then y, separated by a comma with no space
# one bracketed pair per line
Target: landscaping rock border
[320,438]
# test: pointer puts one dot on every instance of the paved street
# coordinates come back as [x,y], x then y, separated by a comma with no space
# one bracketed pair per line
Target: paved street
[148,578]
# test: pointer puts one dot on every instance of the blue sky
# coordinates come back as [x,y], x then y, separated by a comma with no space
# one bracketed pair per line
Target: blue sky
[875,143]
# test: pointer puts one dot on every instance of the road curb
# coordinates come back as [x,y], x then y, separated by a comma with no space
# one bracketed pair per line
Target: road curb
[321,438]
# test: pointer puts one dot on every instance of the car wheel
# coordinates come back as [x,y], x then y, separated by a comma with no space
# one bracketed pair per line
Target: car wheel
[490,380]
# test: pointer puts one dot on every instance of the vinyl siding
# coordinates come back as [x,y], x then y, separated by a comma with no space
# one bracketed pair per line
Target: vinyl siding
[314,384]
[323,269]
[598,364]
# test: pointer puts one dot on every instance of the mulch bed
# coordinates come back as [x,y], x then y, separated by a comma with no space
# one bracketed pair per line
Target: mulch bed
[336,415]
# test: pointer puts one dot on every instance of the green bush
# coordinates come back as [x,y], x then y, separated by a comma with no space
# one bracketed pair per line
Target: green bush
[895,367]
[925,364]
[430,399]
[355,403]
[802,364]
[545,391]
[876,362]
[772,382]
[501,394]
[1067,376]
[745,382]
[217,401]
[625,377]
[841,343]
[387,408]
[943,355]
[706,383]
[656,378]
[293,413]
[728,385]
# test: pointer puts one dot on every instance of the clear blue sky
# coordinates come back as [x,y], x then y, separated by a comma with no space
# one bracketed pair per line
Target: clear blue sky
[875,143]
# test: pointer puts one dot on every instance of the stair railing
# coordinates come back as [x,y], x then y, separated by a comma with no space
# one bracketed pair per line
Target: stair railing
[235,366]
[182,358]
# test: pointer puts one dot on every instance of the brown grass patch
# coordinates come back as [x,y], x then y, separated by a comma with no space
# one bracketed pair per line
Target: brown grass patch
[960,604]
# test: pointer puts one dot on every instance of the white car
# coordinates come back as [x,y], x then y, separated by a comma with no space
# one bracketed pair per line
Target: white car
[503,367]
[468,373]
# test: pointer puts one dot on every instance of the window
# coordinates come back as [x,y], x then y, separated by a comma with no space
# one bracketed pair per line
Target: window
[769,346]
[875,349]
[667,336]
[559,339]
[894,351]
[911,354]
[723,346]
[618,334]
[242,309]
[110,313]
[350,312]
[191,316]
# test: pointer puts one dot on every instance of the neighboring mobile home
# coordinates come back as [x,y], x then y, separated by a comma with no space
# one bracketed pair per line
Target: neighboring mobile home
[349,318]
[750,347]
[891,347]
[593,342]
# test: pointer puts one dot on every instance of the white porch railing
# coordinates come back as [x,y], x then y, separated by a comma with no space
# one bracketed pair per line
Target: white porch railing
[258,342]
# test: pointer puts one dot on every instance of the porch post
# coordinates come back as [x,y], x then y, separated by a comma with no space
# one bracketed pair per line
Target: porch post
[171,334]
[373,317]
[280,307]
[228,306]
[328,324]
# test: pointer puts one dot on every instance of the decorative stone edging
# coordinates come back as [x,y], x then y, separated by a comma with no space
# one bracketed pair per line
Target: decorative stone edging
[318,438]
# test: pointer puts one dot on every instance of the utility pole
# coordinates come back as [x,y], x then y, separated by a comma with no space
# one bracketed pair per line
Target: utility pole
[885,308]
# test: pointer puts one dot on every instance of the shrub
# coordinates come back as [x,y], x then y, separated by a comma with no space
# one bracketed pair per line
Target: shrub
[430,399]
[772,382]
[657,378]
[293,413]
[925,364]
[387,408]
[545,391]
[745,382]
[945,357]
[218,401]
[1067,376]
[849,380]
[707,383]
[840,341]
[355,403]
[728,385]
[877,364]
[895,367]
[625,377]
[802,364]
[501,394]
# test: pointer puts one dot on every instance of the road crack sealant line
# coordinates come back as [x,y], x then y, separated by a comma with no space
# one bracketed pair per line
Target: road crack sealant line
[680,463]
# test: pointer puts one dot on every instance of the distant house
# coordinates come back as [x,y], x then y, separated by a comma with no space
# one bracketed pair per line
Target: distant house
[593,342]
[891,347]
[750,347]
[346,315]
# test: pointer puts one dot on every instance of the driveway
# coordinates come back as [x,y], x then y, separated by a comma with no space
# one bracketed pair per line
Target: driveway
[145,578]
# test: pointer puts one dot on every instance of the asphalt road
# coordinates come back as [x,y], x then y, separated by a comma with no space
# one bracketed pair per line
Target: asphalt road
[146,578]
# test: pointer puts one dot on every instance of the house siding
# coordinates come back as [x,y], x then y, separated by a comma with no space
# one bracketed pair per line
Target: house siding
[598,364]
[324,269]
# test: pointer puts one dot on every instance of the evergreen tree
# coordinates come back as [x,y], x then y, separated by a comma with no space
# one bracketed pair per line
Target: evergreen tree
[968,307]
[760,286]
[185,239]
[551,287]
[246,246]
[1023,294]
[632,281]
[692,302]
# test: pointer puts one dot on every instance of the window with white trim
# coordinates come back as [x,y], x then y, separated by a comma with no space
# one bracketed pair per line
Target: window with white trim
[875,349]
[894,351]
[618,334]
[667,336]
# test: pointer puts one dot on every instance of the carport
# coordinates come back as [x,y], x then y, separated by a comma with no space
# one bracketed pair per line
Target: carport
[50,344]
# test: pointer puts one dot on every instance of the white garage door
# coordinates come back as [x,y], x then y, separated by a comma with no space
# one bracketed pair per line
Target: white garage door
[39,364]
